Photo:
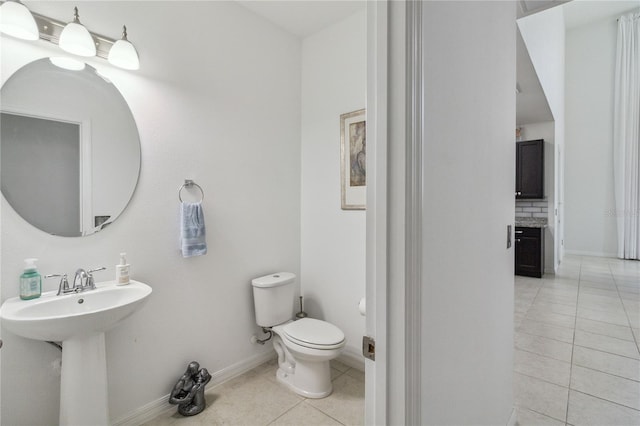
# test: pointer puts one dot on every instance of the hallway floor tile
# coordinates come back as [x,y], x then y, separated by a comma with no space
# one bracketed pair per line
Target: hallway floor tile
[583,361]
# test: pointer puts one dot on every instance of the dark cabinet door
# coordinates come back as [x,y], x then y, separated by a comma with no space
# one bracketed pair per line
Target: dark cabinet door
[530,169]
[529,252]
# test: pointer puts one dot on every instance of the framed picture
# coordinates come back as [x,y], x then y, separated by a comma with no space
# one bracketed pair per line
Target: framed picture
[353,156]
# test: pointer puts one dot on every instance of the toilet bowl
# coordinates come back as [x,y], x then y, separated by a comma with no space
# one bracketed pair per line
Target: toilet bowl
[305,346]
[304,349]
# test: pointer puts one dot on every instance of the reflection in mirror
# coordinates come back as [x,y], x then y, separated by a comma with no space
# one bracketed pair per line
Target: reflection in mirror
[69,149]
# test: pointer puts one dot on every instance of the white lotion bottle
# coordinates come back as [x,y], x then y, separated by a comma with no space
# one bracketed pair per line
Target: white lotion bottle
[122,271]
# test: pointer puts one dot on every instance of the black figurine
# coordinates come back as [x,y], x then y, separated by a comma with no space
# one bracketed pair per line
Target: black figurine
[188,392]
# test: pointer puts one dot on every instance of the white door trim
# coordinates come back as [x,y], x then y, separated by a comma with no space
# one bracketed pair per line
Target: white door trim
[414,203]
[376,228]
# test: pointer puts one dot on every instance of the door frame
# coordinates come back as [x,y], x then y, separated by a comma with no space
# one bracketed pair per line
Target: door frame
[414,213]
[394,211]
[376,222]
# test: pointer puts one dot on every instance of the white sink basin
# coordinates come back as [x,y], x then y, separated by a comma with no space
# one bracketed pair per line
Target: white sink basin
[79,321]
[59,318]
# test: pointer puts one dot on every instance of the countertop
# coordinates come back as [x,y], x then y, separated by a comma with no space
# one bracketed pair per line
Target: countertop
[531,222]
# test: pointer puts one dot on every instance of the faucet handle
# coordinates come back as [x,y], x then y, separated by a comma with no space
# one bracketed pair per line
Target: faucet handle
[63,287]
[90,282]
[53,275]
[102,268]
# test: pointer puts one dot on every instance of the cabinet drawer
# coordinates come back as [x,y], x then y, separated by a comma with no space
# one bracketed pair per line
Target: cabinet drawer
[527,232]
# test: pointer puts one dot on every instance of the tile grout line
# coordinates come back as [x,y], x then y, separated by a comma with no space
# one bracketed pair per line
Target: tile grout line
[624,307]
[328,415]
[545,381]
[607,373]
[573,344]
[528,308]
[286,411]
[606,400]
[542,380]
[609,353]
[550,323]
[542,414]
[542,355]
[603,333]
[544,337]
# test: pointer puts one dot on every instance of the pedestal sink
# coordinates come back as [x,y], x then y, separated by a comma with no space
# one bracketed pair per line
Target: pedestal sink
[79,321]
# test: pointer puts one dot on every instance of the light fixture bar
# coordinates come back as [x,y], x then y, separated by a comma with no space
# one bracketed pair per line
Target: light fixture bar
[50,30]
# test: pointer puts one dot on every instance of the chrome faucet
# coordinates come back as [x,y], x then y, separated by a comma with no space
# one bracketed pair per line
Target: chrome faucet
[83,280]
[80,280]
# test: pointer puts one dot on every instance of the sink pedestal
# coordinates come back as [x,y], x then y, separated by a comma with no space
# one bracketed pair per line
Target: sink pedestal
[83,385]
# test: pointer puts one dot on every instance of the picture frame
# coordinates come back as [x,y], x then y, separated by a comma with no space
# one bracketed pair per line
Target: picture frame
[353,183]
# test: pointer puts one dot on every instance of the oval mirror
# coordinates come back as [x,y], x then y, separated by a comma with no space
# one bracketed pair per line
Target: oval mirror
[69,148]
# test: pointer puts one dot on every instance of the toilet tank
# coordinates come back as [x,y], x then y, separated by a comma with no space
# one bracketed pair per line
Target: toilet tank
[273,297]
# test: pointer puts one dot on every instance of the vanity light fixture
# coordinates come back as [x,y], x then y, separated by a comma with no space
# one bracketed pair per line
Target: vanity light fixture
[123,54]
[73,37]
[17,21]
[76,39]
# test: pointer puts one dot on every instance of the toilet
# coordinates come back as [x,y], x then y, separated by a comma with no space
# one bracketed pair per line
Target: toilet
[305,346]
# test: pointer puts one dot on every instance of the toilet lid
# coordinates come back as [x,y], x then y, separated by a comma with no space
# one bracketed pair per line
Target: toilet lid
[313,332]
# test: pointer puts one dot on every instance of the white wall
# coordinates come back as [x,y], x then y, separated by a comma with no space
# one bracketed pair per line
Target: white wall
[219,103]
[468,160]
[542,33]
[544,36]
[590,60]
[333,240]
[546,131]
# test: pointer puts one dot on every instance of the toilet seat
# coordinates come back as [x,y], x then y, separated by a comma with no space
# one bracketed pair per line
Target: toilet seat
[314,334]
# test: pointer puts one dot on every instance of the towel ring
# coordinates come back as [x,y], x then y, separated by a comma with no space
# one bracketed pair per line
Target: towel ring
[187,184]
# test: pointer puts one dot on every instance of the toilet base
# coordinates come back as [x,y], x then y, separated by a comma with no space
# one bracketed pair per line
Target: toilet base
[304,370]
[308,380]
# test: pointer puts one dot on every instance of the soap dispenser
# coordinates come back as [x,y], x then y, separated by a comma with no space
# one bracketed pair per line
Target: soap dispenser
[122,271]
[30,281]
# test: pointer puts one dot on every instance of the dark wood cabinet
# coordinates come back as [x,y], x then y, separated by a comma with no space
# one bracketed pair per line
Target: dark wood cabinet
[529,251]
[530,169]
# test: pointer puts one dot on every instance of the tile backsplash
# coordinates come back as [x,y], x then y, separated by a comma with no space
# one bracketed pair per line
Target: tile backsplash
[532,208]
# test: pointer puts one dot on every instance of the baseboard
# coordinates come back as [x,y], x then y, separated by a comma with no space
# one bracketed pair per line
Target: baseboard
[352,358]
[155,408]
[146,413]
[590,253]
[513,420]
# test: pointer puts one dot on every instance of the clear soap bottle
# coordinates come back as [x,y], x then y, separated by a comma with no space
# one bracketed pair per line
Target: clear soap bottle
[30,281]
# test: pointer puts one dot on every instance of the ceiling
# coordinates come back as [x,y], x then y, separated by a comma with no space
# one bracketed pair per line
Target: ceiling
[581,12]
[304,17]
[529,7]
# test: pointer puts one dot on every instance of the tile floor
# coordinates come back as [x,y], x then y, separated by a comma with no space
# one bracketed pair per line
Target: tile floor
[577,359]
[256,398]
